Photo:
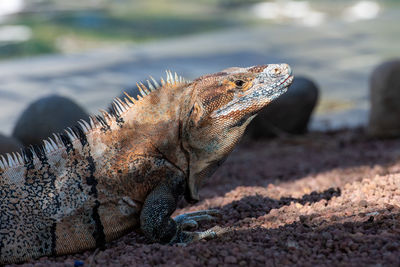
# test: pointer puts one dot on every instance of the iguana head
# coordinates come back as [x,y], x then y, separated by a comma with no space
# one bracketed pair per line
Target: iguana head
[221,107]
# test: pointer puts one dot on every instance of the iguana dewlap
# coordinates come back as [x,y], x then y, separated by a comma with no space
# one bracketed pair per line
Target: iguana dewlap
[128,168]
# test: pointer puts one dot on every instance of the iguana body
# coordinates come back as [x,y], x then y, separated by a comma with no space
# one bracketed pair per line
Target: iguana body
[127,169]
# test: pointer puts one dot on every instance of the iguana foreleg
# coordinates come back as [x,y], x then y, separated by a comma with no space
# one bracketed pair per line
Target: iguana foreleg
[157,224]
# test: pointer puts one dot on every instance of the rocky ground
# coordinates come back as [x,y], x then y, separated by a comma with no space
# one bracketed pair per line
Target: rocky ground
[321,199]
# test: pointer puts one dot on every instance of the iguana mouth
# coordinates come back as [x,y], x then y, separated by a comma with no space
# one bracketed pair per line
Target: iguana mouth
[287,81]
[283,86]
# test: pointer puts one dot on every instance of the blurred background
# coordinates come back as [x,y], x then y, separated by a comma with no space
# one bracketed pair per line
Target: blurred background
[91,50]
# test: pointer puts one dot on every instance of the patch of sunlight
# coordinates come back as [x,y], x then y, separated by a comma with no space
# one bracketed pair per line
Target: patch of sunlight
[15,33]
[362,10]
[8,7]
[296,11]
[333,105]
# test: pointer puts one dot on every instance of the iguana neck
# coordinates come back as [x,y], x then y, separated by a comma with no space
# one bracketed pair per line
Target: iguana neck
[156,120]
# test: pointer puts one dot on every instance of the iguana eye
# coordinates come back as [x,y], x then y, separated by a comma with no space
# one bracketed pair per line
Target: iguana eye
[239,83]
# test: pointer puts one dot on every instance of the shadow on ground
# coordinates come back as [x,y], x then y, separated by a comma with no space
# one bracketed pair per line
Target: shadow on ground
[374,240]
[313,156]
[246,206]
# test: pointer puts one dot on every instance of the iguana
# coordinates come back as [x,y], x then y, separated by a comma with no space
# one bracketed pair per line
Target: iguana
[126,169]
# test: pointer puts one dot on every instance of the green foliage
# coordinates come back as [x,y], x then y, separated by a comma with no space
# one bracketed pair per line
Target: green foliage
[136,28]
[31,47]
[94,27]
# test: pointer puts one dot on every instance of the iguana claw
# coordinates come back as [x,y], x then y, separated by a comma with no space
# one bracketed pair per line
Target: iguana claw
[184,238]
[190,220]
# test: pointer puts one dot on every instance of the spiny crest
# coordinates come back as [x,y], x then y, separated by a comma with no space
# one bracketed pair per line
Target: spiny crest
[12,160]
[119,106]
[65,140]
[52,144]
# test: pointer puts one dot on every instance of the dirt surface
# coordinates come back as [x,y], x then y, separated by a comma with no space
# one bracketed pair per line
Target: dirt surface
[321,199]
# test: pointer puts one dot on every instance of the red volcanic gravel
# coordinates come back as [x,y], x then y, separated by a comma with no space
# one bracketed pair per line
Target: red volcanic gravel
[320,199]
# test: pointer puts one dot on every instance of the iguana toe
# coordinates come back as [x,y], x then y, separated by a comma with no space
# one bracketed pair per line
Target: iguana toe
[184,238]
[190,220]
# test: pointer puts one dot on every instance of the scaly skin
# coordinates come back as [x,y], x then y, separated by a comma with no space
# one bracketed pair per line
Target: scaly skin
[128,168]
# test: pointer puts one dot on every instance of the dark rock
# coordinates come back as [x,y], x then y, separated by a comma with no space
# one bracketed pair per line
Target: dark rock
[46,116]
[290,113]
[9,144]
[384,119]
